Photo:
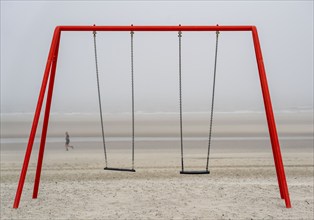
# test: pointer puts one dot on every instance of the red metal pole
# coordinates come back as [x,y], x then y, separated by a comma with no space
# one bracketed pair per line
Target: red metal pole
[46,119]
[35,122]
[271,121]
[155,28]
[266,104]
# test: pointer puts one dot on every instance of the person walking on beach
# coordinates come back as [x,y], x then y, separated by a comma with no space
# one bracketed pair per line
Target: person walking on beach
[67,141]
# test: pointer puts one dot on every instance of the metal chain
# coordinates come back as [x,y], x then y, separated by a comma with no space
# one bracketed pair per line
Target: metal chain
[99,99]
[180,98]
[212,104]
[132,81]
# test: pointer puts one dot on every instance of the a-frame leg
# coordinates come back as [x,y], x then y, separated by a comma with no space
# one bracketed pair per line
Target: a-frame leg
[283,187]
[46,119]
[35,120]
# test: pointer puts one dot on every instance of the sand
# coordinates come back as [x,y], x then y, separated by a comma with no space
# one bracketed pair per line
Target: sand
[242,183]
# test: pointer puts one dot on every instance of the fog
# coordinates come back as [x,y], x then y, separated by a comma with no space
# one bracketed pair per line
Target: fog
[285,31]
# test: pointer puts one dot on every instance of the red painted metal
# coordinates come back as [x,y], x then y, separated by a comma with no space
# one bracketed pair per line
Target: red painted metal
[51,69]
[46,119]
[35,122]
[265,92]
[155,28]
[271,121]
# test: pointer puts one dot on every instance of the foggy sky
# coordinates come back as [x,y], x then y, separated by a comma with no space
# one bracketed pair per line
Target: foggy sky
[285,31]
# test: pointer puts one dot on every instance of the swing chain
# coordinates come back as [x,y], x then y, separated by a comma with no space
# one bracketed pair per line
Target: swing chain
[99,99]
[180,98]
[132,82]
[213,99]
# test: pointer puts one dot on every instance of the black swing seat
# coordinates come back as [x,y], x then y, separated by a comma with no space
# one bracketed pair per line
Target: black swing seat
[194,172]
[119,169]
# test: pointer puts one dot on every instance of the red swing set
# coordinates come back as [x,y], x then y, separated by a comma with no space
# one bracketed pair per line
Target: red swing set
[49,75]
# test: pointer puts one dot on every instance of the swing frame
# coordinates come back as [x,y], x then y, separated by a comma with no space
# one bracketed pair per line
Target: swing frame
[50,71]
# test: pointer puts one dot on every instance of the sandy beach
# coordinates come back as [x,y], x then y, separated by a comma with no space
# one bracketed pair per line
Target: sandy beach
[242,183]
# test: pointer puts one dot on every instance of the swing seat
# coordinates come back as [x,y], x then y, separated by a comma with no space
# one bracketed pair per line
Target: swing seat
[119,169]
[195,172]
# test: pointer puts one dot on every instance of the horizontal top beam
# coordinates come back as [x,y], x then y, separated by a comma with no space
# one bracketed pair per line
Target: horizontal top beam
[155,28]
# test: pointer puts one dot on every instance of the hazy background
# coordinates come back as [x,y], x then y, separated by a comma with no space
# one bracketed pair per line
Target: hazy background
[286,35]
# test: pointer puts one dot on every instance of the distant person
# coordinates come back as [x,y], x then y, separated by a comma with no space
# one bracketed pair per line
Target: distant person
[67,141]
